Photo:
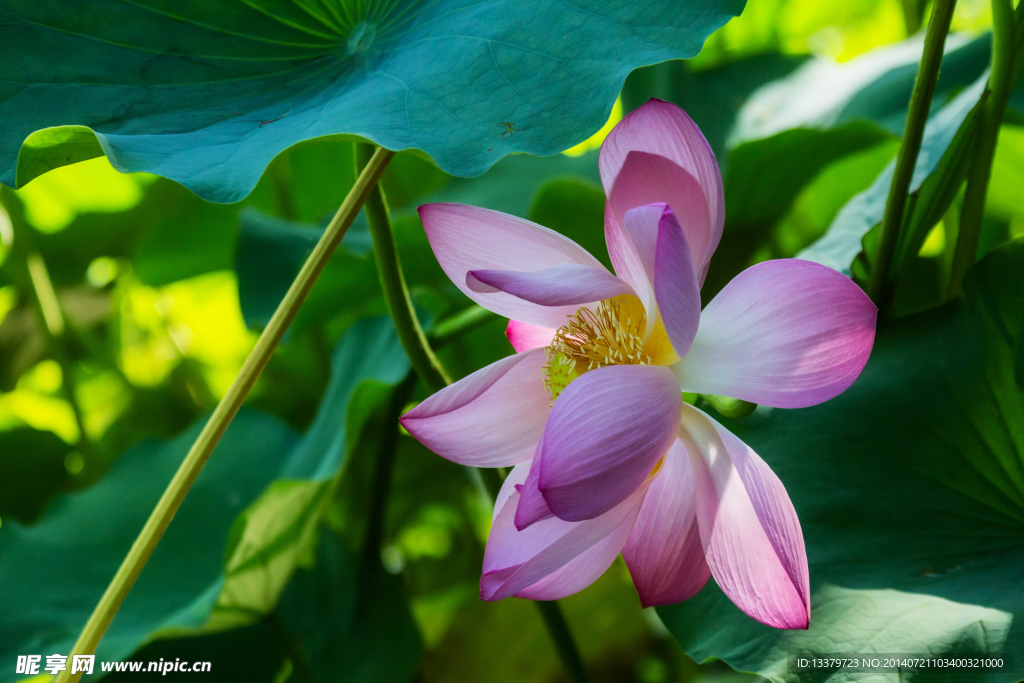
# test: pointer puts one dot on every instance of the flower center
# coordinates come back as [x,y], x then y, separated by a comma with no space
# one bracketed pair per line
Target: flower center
[611,335]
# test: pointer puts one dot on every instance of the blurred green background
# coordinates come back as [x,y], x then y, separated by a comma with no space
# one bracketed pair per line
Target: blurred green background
[127,306]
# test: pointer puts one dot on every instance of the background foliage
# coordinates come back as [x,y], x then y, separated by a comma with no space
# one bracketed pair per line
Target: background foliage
[910,486]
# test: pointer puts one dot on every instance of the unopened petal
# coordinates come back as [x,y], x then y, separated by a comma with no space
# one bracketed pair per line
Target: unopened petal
[663,552]
[492,418]
[664,129]
[652,179]
[466,238]
[749,529]
[676,285]
[606,432]
[785,333]
[524,336]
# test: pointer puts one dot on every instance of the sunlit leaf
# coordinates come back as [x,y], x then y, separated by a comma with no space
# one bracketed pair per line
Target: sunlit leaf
[937,174]
[875,87]
[231,546]
[91,186]
[713,96]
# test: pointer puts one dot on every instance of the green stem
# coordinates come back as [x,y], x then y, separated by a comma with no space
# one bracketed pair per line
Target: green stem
[459,324]
[913,132]
[383,468]
[55,328]
[1018,43]
[554,619]
[218,423]
[396,293]
[1000,83]
[430,370]
[292,649]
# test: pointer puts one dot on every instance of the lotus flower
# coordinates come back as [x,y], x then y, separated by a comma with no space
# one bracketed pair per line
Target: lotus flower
[606,455]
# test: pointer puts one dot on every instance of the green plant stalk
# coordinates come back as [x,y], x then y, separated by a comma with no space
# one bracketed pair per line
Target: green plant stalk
[218,423]
[913,132]
[459,324]
[1018,43]
[396,293]
[554,619]
[383,468]
[429,369]
[1000,84]
[55,327]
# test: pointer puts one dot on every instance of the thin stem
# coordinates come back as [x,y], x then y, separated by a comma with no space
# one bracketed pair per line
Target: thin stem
[396,293]
[430,370]
[912,15]
[1000,83]
[218,423]
[913,132]
[383,468]
[46,296]
[459,324]
[292,649]
[554,619]
[55,328]
[1018,43]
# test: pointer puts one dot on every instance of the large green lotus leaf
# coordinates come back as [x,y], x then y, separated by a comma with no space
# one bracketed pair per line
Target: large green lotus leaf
[31,472]
[207,94]
[910,491]
[232,545]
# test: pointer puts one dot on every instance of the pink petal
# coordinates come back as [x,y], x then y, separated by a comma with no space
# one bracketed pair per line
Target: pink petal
[516,476]
[632,245]
[663,552]
[492,418]
[466,238]
[625,256]
[605,433]
[664,129]
[675,283]
[524,336]
[652,179]
[784,333]
[553,558]
[748,527]
[569,284]
[532,506]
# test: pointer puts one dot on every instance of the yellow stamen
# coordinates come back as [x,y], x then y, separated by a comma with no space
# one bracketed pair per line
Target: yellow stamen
[657,467]
[611,335]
